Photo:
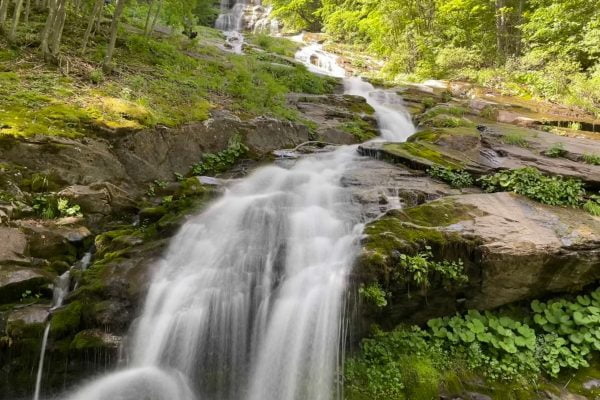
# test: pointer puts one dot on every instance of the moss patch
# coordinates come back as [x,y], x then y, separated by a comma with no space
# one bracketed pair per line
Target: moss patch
[421,154]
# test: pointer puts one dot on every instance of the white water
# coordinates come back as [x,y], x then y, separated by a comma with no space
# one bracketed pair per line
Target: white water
[60,292]
[248,303]
[230,21]
[395,123]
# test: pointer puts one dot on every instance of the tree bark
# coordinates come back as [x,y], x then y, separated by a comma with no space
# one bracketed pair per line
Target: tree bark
[3,13]
[59,24]
[96,13]
[155,19]
[27,11]
[147,24]
[12,36]
[46,32]
[114,30]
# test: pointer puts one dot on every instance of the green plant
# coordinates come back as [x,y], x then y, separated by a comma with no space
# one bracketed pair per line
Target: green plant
[221,161]
[28,295]
[557,150]
[592,205]
[419,269]
[96,76]
[504,349]
[49,207]
[456,178]
[515,139]
[374,295]
[532,183]
[571,331]
[576,126]
[593,159]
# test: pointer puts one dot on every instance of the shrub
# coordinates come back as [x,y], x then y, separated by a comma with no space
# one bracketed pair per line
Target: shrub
[531,183]
[504,349]
[515,139]
[593,159]
[49,207]
[374,295]
[221,161]
[572,331]
[557,150]
[456,178]
[419,269]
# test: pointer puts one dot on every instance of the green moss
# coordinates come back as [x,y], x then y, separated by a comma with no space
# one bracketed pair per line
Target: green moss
[361,107]
[360,129]
[87,340]
[66,320]
[420,377]
[422,153]
[281,46]
[515,139]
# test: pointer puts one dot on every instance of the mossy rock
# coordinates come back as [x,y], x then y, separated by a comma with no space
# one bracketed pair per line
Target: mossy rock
[66,320]
[418,155]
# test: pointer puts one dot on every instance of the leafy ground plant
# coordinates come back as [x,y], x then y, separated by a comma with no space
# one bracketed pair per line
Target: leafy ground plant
[420,269]
[456,178]
[593,159]
[532,183]
[221,161]
[556,151]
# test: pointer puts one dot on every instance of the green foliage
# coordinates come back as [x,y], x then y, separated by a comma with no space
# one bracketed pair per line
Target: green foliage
[571,331]
[281,46]
[397,365]
[373,294]
[504,349]
[515,139]
[593,159]
[532,183]
[420,269]
[50,207]
[592,206]
[456,178]
[556,151]
[221,161]
[360,129]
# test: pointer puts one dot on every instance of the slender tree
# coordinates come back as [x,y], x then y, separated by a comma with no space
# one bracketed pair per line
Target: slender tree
[12,36]
[96,14]
[114,30]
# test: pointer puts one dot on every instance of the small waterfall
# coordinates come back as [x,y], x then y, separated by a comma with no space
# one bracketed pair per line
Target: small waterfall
[231,22]
[395,123]
[60,292]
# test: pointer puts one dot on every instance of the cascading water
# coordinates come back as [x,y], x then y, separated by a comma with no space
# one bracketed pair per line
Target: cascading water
[230,21]
[395,123]
[248,301]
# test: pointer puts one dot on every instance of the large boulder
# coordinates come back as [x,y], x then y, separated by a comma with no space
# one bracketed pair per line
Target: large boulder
[513,249]
[492,147]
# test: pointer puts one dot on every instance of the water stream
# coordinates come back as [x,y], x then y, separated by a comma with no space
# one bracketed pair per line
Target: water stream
[248,301]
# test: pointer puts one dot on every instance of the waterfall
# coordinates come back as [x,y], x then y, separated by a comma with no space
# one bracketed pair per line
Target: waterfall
[62,285]
[248,301]
[395,123]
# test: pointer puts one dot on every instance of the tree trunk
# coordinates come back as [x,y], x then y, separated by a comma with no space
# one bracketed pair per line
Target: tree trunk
[12,36]
[114,30]
[147,24]
[59,24]
[160,3]
[3,13]
[46,32]
[96,13]
[27,11]
[500,30]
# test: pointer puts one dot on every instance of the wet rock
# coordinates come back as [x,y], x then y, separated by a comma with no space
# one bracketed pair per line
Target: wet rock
[513,249]
[54,238]
[379,187]
[15,281]
[338,119]
[489,148]
[35,314]
[13,246]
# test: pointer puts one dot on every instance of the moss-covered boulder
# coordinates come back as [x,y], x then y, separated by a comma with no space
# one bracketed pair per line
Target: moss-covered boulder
[511,249]
[484,149]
